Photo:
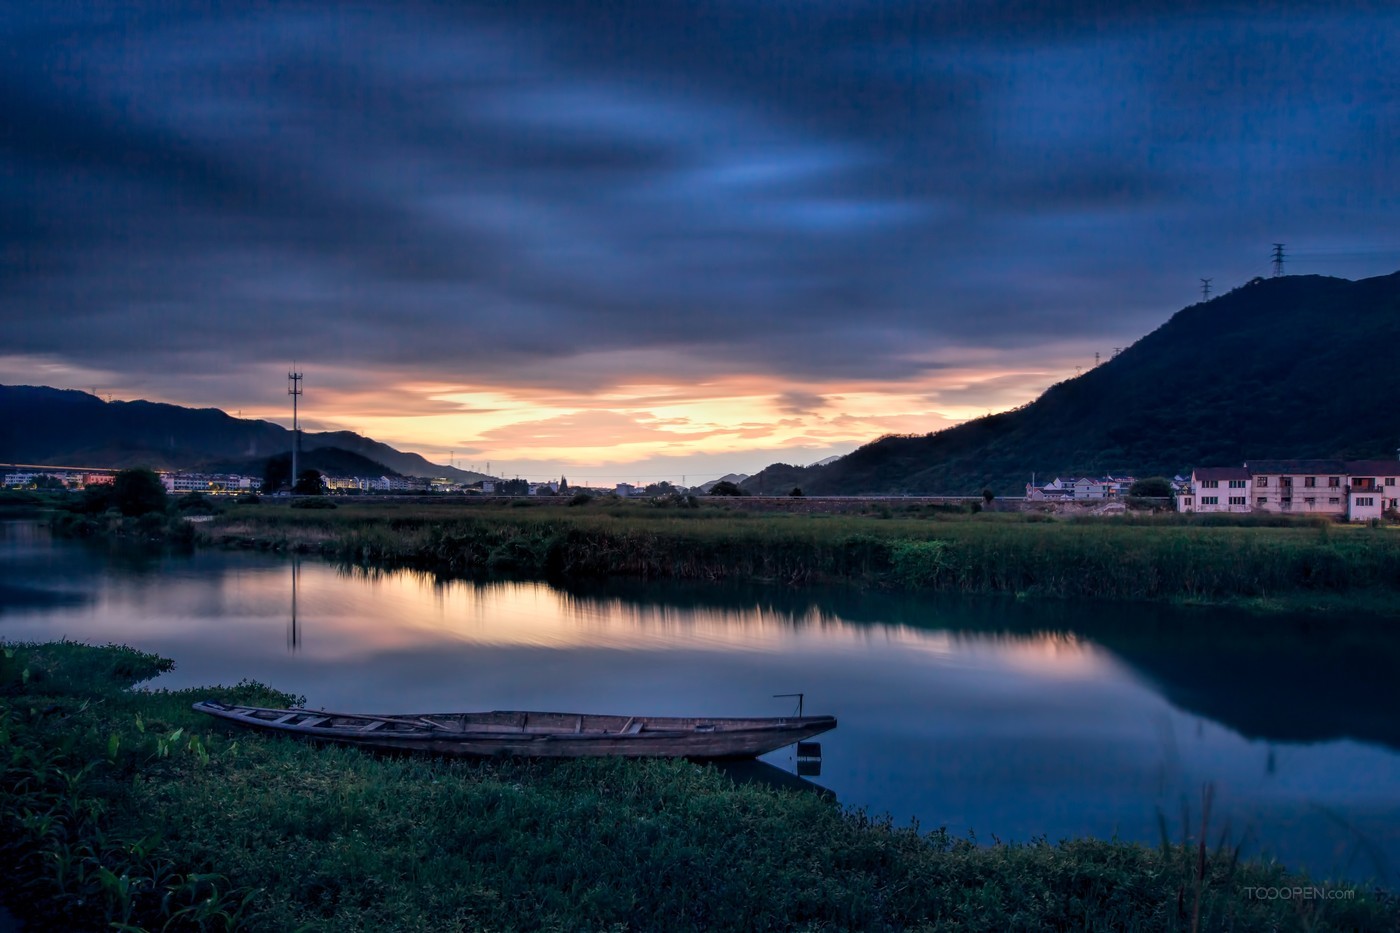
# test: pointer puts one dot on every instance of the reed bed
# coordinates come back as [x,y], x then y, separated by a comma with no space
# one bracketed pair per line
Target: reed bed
[991,553]
[125,810]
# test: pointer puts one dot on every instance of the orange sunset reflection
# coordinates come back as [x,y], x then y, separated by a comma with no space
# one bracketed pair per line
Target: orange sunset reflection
[414,610]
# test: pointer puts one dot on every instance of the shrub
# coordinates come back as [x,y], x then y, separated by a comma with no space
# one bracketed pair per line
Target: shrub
[313,503]
[137,492]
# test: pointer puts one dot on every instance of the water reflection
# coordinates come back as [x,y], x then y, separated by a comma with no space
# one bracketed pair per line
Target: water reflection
[293,635]
[1006,718]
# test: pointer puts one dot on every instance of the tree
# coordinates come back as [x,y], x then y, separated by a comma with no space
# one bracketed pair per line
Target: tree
[1153,487]
[796,492]
[309,484]
[513,487]
[137,492]
[277,473]
[725,488]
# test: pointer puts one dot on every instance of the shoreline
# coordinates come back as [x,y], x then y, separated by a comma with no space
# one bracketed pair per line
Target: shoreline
[158,810]
[1265,569]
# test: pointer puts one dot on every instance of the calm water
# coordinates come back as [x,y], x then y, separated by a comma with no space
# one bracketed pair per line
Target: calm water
[1005,719]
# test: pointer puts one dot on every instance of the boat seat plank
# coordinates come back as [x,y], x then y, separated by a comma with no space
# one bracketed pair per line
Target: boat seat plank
[313,720]
[377,724]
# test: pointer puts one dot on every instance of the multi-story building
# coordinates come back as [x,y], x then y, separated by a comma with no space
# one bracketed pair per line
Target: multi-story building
[1356,489]
[1215,489]
[216,484]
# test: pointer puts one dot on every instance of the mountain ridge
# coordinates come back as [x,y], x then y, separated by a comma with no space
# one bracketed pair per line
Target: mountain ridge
[1288,367]
[44,425]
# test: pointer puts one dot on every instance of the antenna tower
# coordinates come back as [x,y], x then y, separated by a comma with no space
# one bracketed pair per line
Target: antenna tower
[1205,289]
[1278,259]
[294,390]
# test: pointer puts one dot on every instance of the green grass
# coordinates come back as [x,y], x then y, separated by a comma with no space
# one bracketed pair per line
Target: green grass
[1165,558]
[126,810]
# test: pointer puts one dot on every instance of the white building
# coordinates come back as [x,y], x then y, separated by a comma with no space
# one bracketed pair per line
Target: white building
[1215,489]
[1358,490]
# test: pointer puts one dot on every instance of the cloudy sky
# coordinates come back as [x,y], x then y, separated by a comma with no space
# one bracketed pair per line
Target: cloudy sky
[635,240]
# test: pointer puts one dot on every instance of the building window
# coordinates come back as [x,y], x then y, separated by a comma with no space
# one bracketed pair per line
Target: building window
[1365,501]
[1334,481]
[1310,502]
[1237,484]
[1263,500]
[1285,481]
[1237,500]
[1334,501]
[1209,500]
[1310,481]
[1210,483]
[1261,481]
[1390,481]
[1187,500]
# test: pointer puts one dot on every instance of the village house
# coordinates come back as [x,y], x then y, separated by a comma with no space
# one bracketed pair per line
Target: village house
[1080,489]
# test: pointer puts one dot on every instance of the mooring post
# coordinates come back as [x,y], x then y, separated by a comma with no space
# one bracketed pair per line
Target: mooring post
[800,697]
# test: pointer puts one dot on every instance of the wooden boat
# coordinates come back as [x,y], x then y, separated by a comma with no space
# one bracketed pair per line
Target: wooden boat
[533,735]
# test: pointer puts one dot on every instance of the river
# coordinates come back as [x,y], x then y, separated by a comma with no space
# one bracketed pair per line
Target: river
[1008,720]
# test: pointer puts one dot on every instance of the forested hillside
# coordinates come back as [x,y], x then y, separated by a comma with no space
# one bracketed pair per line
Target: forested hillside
[1296,366]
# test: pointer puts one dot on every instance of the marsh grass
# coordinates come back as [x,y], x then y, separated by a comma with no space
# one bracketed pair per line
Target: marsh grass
[126,810]
[1156,558]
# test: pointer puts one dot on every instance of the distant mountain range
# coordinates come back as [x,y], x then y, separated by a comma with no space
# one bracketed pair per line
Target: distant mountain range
[64,427]
[1288,367]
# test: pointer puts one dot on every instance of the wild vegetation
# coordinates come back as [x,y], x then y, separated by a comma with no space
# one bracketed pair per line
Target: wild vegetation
[1166,557]
[133,507]
[126,810]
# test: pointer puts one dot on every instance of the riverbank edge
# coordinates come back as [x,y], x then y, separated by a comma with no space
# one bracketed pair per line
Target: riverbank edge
[1266,570]
[125,807]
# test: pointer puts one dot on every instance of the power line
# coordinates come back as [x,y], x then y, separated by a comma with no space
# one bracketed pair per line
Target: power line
[1278,259]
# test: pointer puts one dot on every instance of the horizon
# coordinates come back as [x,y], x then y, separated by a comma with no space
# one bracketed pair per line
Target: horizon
[649,243]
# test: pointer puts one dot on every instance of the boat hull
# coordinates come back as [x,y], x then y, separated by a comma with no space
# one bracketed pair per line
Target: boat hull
[524,734]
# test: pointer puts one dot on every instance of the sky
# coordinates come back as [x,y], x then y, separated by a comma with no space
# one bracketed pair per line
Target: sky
[663,240]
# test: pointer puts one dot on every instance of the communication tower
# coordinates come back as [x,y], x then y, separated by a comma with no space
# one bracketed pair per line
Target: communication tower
[294,390]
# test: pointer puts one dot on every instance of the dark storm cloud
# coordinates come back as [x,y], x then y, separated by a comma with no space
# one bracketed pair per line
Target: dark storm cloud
[806,189]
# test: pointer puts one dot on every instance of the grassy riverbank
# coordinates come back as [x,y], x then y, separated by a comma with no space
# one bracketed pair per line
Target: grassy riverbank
[1302,565]
[126,808]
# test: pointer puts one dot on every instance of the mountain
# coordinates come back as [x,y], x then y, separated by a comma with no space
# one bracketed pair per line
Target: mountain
[328,461]
[735,478]
[71,428]
[1288,367]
